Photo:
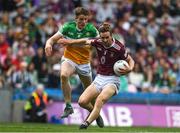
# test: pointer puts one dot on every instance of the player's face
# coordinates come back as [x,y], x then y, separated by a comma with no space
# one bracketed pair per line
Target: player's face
[106,38]
[81,21]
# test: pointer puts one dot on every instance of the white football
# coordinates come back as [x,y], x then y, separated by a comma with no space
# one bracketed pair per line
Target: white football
[120,64]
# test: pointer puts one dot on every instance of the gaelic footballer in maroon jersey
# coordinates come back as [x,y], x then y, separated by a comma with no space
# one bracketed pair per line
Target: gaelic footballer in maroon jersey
[107,56]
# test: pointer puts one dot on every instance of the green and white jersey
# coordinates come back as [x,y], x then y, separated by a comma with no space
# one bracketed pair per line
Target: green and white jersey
[69,30]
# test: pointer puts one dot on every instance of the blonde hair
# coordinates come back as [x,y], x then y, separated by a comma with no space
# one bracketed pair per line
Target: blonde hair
[81,11]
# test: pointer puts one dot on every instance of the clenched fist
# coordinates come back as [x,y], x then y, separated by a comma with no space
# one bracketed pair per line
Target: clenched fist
[48,50]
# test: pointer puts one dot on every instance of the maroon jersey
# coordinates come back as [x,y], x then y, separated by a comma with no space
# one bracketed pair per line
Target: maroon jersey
[107,56]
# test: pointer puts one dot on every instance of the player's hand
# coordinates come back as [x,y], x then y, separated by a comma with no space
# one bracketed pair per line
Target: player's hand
[125,71]
[48,49]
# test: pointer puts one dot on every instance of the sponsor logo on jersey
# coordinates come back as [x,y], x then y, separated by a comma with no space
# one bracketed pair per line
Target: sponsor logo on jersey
[79,36]
[87,34]
[71,33]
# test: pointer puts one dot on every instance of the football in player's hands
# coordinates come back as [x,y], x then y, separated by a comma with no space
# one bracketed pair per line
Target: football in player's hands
[121,67]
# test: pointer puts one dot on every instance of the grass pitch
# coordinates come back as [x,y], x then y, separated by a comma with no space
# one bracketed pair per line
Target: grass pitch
[33,127]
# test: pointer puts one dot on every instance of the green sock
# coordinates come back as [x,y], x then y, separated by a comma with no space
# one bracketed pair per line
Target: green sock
[68,105]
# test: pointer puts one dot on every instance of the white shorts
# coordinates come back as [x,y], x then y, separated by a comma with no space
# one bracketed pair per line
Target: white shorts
[101,81]
[83,69]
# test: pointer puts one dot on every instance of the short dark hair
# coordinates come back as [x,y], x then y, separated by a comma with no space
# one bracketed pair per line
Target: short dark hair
[105,27]
[81,11]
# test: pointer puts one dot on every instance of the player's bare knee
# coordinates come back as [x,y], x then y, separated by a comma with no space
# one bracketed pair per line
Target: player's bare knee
[82,102]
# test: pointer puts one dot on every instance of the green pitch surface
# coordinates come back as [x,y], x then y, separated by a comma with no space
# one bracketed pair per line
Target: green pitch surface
[14,127]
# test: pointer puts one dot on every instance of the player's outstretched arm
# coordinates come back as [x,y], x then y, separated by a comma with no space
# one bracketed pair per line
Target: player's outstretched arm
[74,42]
[50,42]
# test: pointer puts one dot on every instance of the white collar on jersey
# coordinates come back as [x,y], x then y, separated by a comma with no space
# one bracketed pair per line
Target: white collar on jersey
[113,42]
[78,28]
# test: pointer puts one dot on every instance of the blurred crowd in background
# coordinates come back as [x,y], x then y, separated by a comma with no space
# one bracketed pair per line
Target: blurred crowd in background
[150,29]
